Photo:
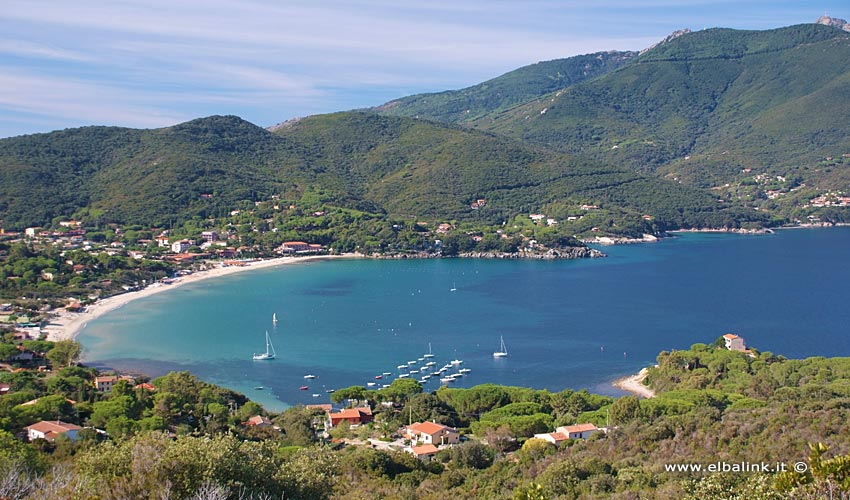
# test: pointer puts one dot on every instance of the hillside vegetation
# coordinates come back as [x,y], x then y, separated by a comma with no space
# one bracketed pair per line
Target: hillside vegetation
[403,167]
[515,87]
[704,105]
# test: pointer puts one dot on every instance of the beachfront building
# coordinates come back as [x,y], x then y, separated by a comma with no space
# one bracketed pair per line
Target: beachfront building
[432,433]
[299,247]
[181,246]
[50,430]
[734,342]
[578,431]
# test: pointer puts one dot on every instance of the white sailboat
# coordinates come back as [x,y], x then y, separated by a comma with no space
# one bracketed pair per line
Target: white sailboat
[269,354]
[274,318]
[503,351]
[453,288]
[429,355]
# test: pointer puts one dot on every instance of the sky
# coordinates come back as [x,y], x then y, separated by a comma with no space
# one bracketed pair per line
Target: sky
[155,63]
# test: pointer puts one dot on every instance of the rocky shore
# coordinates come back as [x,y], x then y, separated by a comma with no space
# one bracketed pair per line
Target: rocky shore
[551,254]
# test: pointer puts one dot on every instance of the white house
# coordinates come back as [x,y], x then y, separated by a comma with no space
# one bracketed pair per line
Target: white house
[181,246]
[555,438]
[578,431]
[734,342]
[51,430]
[432,433]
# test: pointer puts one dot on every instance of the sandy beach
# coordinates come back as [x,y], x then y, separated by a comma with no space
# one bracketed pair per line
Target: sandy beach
[66,325]
[634,384]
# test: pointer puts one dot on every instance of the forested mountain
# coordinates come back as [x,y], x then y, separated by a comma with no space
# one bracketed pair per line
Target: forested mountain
[515,87]
[704,106]
[754,115]
[405,167]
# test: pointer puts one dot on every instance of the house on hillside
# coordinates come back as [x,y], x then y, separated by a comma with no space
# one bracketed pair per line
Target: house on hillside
[181,246]
[555,438]
[424,452]
[432,433]
[258,421]
[104,383]
[734,342]
[578,431]
[51,430]
[354,416]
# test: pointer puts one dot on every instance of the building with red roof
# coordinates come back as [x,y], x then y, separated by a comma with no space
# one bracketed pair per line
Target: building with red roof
[578,431]
[354,416]
[50,430]
[432,433]
[424,452]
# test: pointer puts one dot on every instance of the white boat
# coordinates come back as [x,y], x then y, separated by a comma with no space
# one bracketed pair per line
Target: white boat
[401,367]
[503,351]
[404,375]
[413,372]
[309,377]
[464,370]
[274,318]
[447,380]
[456,362]
[431,363]
[269,354]
[316,395]
[370,384]
[429,355]
[453,288]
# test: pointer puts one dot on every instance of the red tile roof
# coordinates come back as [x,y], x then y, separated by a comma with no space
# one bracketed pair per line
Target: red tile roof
[429,428]
[57,426]
[425,449]
[580,428]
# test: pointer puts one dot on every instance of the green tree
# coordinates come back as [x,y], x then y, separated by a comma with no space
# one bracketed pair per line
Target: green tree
[64,353]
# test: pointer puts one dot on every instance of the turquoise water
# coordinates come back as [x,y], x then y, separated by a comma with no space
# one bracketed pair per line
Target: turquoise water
[567,324]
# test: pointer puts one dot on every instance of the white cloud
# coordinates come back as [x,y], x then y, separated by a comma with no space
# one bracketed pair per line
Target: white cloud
[83,101]
[122,59]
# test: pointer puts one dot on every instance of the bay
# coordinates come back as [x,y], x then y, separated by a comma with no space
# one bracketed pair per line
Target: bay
[567,324]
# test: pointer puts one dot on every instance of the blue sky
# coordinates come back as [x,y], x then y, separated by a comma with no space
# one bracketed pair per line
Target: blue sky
[154,63]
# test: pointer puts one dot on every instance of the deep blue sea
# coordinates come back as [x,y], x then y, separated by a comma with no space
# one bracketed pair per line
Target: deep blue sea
[566,324]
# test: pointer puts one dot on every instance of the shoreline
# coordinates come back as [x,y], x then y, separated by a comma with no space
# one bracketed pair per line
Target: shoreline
[634,384]
[65,325]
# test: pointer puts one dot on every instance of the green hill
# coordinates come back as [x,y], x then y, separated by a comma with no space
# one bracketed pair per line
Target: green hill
[704,106]
[407,168]
[145,176]
[516,87]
